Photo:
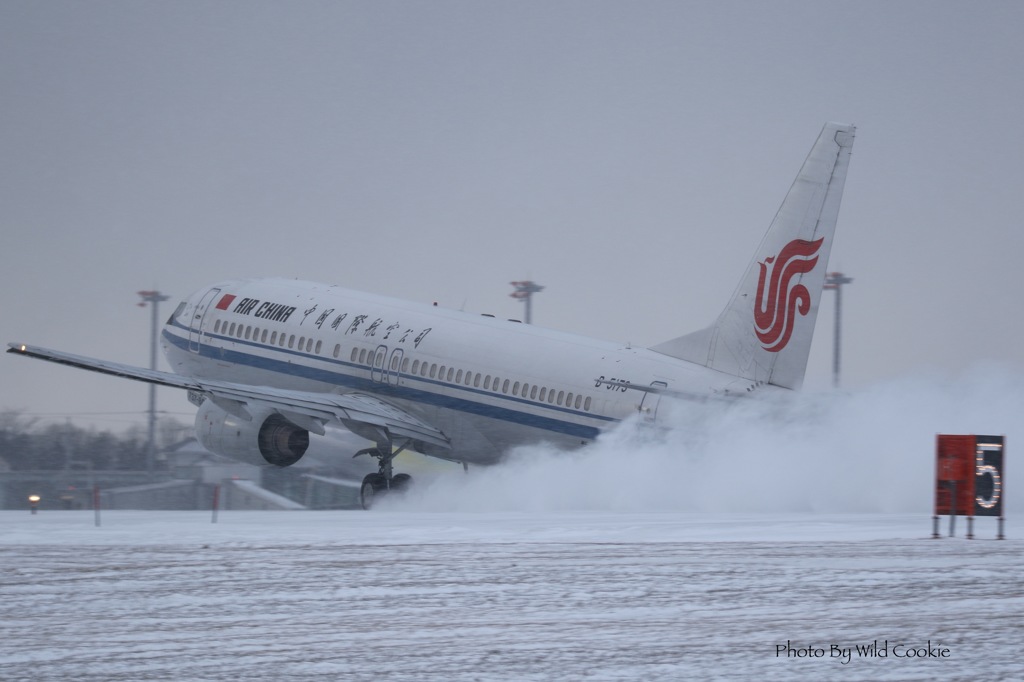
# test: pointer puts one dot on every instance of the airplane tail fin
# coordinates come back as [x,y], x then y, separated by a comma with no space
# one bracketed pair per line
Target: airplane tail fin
[764,333]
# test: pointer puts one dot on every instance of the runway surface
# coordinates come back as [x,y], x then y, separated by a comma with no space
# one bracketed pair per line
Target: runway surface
[505,596]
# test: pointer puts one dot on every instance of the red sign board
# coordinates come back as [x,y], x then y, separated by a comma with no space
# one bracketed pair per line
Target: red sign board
[969,475]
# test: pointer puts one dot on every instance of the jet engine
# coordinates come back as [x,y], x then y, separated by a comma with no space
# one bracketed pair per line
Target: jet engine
[268,438]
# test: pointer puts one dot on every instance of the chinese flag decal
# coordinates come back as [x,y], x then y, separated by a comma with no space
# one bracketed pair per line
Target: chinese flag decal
[225,301]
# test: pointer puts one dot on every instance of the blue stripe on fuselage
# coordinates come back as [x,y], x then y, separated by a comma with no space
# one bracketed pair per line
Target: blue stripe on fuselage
[450,402]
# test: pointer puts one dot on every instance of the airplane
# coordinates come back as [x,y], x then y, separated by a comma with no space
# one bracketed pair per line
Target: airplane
[274,365]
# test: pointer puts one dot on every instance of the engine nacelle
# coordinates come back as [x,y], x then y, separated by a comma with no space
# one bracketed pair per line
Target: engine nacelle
[268,439]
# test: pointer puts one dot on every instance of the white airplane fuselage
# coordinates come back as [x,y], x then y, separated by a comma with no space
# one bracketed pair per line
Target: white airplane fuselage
[488,384]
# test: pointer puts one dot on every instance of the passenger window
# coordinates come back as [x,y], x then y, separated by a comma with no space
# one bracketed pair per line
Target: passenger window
[248,332]
[526,390]
[394,363]
[263,336]
[337,349]
[354,356]
[405,365]
[319,346]
[543,394]
[533,392]
[487,382]
[216,327]
[451,371]
[458,377]
[433,370]
[423,369]
[291,341]
[586,404]
[568,400]
[515,388]
[273,339]
[415,366]
[504,386]
[440,374]
[578,400]
[476,380]
[561,394]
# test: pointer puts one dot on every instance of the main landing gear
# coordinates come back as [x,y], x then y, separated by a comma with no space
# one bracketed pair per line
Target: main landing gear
[385,480]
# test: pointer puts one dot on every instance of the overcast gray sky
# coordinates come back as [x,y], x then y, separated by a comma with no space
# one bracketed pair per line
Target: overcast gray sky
[627,156]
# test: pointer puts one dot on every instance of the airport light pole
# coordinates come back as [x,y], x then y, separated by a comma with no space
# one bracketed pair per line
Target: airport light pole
[154,298]
[834,281]
[524,292]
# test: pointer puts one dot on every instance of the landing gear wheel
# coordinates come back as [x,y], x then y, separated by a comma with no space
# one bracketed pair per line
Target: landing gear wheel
[372,485]
[383,481]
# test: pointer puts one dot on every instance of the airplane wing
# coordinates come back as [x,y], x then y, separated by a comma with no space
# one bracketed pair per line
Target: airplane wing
[307,409]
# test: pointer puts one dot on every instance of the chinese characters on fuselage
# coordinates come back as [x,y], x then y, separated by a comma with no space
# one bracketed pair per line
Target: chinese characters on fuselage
[279,312]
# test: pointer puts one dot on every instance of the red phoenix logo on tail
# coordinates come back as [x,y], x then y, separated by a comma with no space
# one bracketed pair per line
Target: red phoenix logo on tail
[775,309]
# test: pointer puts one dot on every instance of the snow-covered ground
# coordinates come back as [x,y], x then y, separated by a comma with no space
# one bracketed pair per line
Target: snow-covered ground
[539,595]
[740,544]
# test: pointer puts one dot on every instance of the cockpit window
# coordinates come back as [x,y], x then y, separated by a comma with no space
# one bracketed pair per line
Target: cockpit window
[177,311]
